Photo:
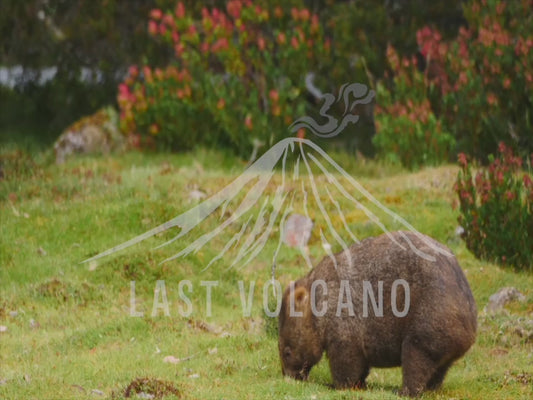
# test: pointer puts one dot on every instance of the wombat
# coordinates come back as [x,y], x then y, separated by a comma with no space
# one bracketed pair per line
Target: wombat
[399,299]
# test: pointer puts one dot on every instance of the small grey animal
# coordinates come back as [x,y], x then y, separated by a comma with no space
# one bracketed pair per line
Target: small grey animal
[399,299]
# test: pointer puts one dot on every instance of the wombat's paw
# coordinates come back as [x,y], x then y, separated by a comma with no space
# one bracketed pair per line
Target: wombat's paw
[360,385]
[411,392]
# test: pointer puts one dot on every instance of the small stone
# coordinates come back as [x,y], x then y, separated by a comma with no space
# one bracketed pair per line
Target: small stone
[97,133]
[499,299]
[3,328]
[97,392]
[143,395]
[171,360]
[34,324]
[196,195]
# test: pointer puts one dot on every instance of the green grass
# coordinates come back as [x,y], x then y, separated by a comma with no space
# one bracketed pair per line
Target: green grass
[69,331]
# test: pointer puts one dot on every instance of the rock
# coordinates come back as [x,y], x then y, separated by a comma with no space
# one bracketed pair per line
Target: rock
[297,230]
[171,360]
[93,265]
[499,299]
[97,133]
[143,395]
[34,324]
[196,195]
[521,328]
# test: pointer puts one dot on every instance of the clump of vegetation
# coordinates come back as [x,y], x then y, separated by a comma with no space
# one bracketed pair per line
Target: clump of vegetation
[476,88]
[239,68]
[238,71]
[149,388]
[16,164]
[407,129]
[496,205]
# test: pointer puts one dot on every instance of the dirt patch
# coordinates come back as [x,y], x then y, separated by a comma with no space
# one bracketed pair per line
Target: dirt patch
[53,289]
[149,388]
[63,292]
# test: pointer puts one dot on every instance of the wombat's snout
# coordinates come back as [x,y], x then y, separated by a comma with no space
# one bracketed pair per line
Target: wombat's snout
[300,375]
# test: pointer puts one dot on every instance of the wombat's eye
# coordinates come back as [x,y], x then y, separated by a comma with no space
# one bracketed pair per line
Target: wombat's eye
[287,352]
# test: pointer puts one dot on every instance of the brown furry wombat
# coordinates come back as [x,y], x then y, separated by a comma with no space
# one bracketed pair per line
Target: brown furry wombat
[400,299]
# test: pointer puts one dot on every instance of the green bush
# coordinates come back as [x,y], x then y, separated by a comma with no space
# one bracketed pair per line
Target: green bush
[496,205]
[159,107]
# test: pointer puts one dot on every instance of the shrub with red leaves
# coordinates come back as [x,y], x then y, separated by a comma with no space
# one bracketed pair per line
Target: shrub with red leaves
[235,78]
[480,84]
[496,205]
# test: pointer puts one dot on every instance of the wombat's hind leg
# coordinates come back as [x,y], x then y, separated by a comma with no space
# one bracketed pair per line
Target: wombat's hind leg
[417,368]
[436,380]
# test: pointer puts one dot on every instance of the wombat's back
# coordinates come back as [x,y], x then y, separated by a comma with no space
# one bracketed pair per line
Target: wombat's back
[439,300]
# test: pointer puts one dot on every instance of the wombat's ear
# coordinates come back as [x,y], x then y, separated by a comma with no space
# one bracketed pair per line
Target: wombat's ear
[301,298]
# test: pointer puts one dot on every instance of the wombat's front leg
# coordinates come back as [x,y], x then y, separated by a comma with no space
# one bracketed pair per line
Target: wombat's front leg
[348,369]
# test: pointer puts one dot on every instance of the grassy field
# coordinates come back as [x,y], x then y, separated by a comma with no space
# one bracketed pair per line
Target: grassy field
[68,332]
